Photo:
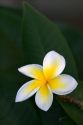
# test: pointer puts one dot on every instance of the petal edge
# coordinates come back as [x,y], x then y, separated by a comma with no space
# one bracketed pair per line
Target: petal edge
[27,90]
[32,70]
[63,84]
[44,98]
[53,64]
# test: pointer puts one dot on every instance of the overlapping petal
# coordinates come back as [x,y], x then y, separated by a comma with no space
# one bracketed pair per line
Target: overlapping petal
[53,64]
[44,98]
[27,90]
[33,71]
[63,84]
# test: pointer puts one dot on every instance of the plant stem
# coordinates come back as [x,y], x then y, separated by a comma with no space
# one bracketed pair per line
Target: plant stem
[72,100]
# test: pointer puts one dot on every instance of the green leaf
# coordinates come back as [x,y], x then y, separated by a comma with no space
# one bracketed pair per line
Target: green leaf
[11,57]
[66,121]
[77,113]
[40,35]
[75,40]
[74,37]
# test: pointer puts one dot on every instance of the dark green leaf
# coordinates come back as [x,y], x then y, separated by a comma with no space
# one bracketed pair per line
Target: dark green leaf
[11,57]
[66,121]
[73,111]
[75,40]
[39,35]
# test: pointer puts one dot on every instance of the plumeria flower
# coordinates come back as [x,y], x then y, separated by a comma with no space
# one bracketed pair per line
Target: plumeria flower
[47,80]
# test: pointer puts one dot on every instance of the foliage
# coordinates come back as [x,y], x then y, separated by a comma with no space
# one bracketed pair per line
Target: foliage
[25,37]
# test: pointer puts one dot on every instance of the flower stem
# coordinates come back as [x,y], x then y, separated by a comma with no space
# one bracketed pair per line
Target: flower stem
[72,100]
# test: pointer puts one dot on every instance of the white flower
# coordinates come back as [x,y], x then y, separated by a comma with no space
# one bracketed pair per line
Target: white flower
[47,80]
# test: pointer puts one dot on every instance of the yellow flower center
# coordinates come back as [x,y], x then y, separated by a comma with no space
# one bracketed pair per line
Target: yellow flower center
[45,81]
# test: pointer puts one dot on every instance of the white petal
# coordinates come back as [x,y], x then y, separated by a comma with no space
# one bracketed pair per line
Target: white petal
[44,98]
[53,64]
[27,90]
[63,84]
[32,70]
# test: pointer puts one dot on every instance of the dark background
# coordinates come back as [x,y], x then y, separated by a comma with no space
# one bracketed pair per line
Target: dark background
[64,11]
[70,11]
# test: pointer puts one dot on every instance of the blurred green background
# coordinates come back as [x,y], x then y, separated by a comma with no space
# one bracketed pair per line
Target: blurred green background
[25,37]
